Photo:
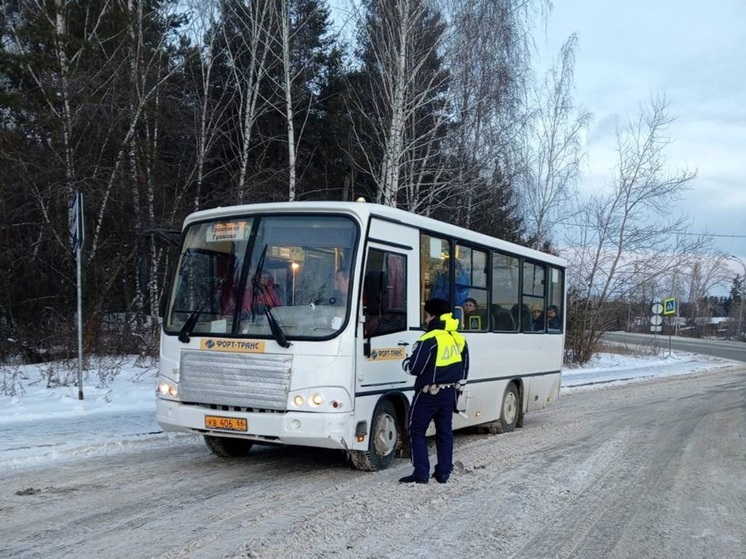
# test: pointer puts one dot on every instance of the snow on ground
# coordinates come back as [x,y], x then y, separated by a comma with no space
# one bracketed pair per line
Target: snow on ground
[40,424]
[613,368]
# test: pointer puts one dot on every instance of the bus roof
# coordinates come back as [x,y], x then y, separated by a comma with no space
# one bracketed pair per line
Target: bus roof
[366,210]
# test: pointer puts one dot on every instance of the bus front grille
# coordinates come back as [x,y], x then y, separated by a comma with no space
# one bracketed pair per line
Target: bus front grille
[244,380]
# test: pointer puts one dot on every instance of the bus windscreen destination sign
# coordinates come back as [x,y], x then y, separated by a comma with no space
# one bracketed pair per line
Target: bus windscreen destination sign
[229,231]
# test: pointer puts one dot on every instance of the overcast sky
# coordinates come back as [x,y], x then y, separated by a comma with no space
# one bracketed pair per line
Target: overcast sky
[695,53]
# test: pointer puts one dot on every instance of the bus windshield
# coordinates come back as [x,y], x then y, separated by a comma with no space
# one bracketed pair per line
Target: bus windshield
[237,276]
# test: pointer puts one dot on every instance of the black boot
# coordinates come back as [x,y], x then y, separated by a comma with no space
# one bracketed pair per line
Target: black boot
[412,479]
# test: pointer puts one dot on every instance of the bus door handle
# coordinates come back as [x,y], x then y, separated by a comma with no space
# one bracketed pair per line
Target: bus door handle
[403,343]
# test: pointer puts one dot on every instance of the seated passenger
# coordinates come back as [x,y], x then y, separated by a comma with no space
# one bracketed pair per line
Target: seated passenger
[265,295]
[522,315]
[473,316]
[537,320]
[341,287]
[502,319]
[554,322]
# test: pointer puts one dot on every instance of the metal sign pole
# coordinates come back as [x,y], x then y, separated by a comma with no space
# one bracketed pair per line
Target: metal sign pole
[669,342]
[656,320]
[672,330]
[77,233]
[80,323]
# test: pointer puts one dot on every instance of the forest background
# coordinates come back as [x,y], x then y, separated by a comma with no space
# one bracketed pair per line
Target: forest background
[153,109]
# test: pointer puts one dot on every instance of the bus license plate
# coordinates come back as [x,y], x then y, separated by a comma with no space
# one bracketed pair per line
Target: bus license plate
[226,423]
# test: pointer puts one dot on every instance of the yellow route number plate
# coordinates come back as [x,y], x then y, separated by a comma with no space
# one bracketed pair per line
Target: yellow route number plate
[226,423]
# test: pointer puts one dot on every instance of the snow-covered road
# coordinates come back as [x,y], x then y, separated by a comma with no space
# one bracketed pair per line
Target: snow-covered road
[635,469]
[45,424]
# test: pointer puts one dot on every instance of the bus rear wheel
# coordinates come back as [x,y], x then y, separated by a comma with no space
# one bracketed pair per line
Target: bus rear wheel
[226,447]
[383,440]
[509,412]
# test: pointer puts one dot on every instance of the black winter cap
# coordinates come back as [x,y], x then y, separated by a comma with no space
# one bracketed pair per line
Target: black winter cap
[437,307]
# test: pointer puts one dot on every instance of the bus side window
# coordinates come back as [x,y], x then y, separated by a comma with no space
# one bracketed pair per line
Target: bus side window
[533,298]
[506,275]
[384,293]
[502,319]
[556,306]
[522,316]
[372,293]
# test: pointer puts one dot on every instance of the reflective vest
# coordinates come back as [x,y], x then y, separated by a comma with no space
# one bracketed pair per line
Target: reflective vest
[450,346]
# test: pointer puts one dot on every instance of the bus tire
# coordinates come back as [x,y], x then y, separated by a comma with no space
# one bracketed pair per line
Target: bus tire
[226,447]
[383,440]
[509,411]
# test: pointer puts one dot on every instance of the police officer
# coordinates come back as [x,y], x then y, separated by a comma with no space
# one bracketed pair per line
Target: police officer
[440,361]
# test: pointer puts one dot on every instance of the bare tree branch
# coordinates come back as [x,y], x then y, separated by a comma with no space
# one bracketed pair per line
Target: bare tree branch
[625,241]
[553,149]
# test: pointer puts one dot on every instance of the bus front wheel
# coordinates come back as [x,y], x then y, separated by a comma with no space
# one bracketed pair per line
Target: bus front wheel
[383,440]
[226,447]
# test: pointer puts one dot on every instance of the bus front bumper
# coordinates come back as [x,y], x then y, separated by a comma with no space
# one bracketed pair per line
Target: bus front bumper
[322,430]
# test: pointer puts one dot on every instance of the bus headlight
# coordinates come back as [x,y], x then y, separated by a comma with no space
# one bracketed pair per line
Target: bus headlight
[167,390]
[324,399]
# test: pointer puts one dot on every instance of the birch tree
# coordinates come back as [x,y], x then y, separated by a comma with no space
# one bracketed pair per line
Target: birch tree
[149,32]
[287,88]
[247,27]
[552,149]
[627,236]
[301,54]
[487,56]
[401,84]
[97,100]
[56,84]
[148,73]
[210,101]
[703,273]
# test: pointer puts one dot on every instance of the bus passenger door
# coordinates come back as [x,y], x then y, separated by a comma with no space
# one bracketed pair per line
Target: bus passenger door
[383,335]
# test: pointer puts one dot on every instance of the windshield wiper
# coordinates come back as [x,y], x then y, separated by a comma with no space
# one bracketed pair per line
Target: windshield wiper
[276,329]
[186,330]
[274,326]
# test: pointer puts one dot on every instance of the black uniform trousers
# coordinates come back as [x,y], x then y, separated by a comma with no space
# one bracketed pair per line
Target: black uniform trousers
[438,408]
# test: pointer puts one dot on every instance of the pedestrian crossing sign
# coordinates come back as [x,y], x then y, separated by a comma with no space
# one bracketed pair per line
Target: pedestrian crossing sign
[669,306]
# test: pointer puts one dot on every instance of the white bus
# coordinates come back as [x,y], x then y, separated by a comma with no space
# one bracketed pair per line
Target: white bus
[287,323]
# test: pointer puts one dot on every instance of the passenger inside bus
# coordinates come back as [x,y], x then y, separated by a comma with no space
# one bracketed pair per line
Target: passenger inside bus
[522,315]
[441,284]
[537,320]
[554,322]
[267,294]
[502,319]
[379,317]
[341,287]
[474,317]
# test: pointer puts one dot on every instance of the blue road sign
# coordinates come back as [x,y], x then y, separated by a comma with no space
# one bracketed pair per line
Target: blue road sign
[76,221]
[669,306]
